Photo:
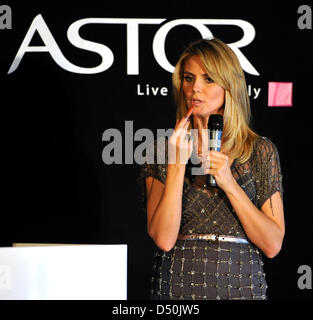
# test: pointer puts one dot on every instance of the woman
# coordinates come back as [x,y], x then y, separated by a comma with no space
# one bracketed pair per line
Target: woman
[209,239]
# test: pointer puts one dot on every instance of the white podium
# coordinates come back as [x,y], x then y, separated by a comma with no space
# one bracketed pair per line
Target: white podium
[63,272]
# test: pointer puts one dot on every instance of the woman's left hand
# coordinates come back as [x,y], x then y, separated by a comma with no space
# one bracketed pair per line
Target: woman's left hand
[218,164]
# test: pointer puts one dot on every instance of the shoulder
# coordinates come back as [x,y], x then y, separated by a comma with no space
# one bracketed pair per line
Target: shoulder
[264,146]
[154,160]
[156,155]
[264,150]
[155,151]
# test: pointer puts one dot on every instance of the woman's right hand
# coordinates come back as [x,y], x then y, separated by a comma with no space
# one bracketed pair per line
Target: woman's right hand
[180,142]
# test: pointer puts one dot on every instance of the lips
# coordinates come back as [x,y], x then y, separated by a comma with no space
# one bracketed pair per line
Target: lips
[195,101]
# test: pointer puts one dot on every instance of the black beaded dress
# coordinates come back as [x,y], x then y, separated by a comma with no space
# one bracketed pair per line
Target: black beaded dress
[207,269]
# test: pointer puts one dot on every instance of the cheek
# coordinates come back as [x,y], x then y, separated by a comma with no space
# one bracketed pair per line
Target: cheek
[217,94]
[186,90]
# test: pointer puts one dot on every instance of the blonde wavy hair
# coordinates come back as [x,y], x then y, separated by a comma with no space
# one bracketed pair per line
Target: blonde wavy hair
[223,67]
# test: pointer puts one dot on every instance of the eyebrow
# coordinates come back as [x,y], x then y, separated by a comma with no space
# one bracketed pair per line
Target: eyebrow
[204,74]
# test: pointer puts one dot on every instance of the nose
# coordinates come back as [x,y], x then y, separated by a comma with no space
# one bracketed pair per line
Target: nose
[196,86]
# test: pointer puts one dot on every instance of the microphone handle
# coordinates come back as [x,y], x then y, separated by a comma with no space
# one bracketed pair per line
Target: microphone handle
[215,140]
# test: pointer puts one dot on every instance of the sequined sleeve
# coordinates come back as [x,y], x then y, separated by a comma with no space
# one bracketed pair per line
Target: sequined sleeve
[268,171]
[155,166]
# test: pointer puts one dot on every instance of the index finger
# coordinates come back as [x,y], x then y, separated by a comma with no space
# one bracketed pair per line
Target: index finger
[180,123]
[189,112]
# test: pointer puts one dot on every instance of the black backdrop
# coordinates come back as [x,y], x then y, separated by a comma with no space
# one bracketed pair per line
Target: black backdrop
[58,189]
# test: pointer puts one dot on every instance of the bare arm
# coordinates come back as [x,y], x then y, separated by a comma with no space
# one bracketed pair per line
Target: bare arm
[164,207]
[164,202]
[265,227]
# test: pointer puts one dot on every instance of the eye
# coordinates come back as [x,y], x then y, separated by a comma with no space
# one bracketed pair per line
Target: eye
[188,78]
[209,80]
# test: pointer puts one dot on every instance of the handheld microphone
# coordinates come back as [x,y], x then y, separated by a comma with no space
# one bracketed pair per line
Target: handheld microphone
[215,130]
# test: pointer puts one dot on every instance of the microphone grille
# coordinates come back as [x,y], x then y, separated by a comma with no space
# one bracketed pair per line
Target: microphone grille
[215,122]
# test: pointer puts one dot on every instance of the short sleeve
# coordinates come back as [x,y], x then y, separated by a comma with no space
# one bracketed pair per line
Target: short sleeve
[268,171]
[155,166]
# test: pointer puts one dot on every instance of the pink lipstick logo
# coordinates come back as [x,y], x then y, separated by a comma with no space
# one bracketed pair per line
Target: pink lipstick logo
[280,94]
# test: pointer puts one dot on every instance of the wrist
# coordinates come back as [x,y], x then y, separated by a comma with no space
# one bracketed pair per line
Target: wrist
[176,168]
[175,175]
[232,188]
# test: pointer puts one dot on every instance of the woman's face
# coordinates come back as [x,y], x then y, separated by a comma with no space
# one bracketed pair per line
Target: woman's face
[201,92]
